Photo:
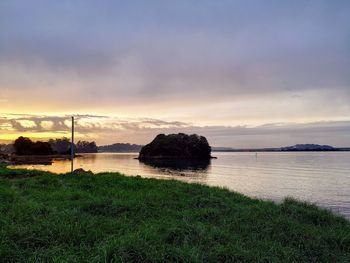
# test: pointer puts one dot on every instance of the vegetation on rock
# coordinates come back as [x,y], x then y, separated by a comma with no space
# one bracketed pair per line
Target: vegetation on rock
[179,146]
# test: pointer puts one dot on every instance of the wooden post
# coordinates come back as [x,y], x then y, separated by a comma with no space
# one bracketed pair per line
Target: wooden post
[72,147]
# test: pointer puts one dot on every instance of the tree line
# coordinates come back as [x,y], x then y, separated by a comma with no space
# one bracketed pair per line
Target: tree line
[25,146]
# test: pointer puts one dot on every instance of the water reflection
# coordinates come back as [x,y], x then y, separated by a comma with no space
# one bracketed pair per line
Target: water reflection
[179,165]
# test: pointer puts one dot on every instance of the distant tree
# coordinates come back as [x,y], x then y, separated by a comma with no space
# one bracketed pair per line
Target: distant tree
[61,146]
[2,147]
[120,147]
[6,148]
[41,148]
[9,148]
[25,146]
[86,147]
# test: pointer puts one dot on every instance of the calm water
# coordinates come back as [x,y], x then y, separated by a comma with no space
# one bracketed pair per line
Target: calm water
[322,178]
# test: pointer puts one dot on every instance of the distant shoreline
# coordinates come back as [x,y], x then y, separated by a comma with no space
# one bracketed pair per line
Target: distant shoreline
[295,148]
[12,159]
[345,149]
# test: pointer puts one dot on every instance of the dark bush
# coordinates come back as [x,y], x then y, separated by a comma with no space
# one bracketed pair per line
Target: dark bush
[61,146]
[25,146]
[86,147]
[41,148]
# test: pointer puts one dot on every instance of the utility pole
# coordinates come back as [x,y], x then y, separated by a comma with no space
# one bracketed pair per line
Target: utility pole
[72,147]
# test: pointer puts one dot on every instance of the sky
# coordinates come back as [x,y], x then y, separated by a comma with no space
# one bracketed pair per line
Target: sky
[242,73]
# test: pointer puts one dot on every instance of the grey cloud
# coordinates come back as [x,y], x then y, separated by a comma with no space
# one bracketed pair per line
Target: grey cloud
[84,124]
[111,129]
[333,133]
[214,47]
[58,122]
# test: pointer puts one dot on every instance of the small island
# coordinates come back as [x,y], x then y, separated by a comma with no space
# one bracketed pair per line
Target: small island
[177,146]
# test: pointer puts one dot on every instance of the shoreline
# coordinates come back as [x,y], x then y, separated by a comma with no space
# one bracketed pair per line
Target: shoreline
[245,181]
[32,172]
[12,159]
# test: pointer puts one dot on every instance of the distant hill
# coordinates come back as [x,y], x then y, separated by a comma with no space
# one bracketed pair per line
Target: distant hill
[294,148]
[120,147]
[308,147]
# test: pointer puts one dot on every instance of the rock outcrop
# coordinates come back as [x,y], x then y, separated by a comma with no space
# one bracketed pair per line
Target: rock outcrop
[177,146]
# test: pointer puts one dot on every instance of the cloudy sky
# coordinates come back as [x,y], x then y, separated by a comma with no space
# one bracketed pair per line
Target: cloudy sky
[243,73]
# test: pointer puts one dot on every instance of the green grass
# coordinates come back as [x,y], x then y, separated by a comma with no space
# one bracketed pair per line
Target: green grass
[114,218]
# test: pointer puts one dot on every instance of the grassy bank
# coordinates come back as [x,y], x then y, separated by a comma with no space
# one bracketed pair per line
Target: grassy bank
[110,217]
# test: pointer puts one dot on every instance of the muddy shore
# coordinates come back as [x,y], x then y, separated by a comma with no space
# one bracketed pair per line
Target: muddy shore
[12,159]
